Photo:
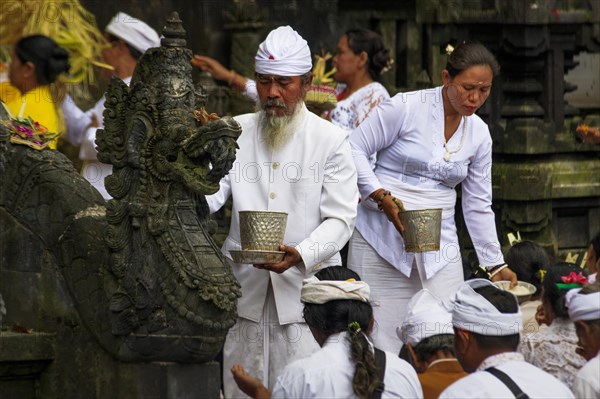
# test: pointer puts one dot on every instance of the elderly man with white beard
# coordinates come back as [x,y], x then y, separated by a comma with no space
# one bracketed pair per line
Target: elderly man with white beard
[289,160]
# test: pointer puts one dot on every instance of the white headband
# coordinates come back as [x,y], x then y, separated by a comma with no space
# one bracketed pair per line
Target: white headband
[135,32]
[426,316]
[321,291]
[472,312]
[583,306]
[284,52]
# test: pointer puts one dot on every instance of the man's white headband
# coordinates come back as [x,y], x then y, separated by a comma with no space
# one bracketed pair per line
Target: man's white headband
[135,32]
[284,52]
[583,306]
[472,312]
[322,291]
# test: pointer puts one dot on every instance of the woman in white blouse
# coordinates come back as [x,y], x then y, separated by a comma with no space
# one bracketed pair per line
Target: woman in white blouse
[428,142]
[360,59]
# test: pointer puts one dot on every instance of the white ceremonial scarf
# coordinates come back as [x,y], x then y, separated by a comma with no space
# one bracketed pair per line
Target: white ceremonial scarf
[322,291]
[583,306]
[284,52]
[472,312]
[426,316]
[135,32]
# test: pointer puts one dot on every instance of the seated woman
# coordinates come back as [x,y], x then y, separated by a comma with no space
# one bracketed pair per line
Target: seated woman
[36,63]
[548,349]
[529,261]
[338,312]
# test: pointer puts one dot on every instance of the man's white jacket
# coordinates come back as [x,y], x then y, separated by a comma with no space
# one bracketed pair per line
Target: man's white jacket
[313,179]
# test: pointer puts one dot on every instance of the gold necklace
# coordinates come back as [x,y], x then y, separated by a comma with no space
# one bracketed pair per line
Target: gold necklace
[447,152]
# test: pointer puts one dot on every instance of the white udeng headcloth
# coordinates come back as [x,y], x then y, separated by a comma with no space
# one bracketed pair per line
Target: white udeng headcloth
[284,52]
[583,306]
[135,32]
[474,313]
[322,291]
[426,316]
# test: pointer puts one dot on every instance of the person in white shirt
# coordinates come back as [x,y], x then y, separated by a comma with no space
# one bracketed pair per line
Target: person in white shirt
[292,161]
[338,312]
[487,322]
[428,142]
[584,310]
[128,39]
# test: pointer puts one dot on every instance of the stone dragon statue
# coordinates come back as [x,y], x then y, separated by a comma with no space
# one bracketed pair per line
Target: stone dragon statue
[142,269]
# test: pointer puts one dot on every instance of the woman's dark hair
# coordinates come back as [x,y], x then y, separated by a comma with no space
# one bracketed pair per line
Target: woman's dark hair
[354,317]
[526,259]
[49,58]
[552,293]
[468,54]
[505,302]
[371,43]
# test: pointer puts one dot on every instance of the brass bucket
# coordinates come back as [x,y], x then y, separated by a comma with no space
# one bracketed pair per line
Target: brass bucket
[262,230]
[422,229]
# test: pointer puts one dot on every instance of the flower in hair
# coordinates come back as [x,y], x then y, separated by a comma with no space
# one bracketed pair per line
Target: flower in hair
[572,280]
[449,49]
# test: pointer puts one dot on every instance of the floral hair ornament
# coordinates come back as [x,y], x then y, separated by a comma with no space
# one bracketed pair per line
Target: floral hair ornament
[388,66]
[28,132]
[573,280]
[449,49]
[354,327]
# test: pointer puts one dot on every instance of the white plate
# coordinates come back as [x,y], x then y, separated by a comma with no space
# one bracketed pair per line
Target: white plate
[256,257]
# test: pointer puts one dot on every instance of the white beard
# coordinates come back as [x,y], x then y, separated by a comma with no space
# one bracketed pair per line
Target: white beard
[277,131]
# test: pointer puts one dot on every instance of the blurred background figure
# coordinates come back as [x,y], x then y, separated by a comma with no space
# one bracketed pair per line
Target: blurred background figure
[36,63]
[547,349]
[529,261]
[360,59]
[584,311]
[127,38]
[428,339]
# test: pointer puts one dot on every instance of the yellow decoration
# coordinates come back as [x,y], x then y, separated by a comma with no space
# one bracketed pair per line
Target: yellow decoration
[512,239]
[571,258]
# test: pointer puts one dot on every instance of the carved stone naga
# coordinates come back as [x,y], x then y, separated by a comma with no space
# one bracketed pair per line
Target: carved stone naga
[144,274]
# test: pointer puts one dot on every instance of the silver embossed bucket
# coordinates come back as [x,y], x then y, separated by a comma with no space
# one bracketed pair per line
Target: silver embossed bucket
[262,230]
[422,229]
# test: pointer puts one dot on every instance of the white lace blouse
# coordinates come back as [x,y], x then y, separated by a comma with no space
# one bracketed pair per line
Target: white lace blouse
[553,350]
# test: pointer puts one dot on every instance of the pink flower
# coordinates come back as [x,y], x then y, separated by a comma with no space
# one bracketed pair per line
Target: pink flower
[574,278]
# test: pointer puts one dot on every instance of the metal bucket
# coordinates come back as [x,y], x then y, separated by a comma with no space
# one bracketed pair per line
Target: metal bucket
[422,229]
[262,230]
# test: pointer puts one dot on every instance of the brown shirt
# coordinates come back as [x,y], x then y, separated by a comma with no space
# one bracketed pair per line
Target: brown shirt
[439,375]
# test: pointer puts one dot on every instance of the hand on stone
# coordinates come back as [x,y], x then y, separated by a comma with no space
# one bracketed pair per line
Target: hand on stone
[212,66]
